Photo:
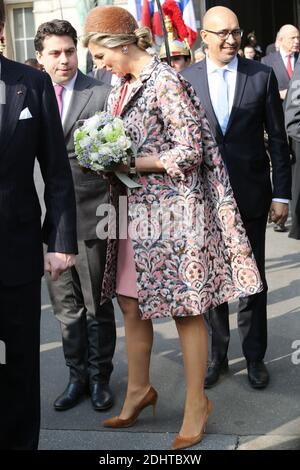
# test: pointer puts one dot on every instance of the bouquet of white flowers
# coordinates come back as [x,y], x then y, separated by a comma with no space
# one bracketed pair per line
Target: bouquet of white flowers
[101,144]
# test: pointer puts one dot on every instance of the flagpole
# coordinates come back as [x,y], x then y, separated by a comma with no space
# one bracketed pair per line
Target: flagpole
[167,47]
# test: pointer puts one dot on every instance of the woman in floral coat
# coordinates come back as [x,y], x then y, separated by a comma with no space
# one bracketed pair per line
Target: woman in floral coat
[187,250]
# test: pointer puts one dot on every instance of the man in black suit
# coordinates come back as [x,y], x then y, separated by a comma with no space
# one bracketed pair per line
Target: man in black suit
[292,121]
[241,99]
[283,63]
[30,127]
[88,329]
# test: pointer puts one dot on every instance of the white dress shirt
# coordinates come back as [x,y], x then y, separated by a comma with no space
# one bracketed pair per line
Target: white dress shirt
[285,55]
[67,96]
[230,78]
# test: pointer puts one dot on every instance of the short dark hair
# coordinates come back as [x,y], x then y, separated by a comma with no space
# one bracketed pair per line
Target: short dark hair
[54,28]
[2,12]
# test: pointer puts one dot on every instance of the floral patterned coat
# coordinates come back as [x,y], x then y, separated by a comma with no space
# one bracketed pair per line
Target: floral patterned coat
[188,271]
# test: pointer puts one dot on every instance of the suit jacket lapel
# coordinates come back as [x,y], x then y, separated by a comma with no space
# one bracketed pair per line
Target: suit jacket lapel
[241,80]
[81,95]
[204,95]
[15,93]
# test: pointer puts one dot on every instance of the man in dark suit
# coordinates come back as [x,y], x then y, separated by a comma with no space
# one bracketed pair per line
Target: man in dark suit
[241,99]
[88,329]
[292,121]
[30,127]
[283,63]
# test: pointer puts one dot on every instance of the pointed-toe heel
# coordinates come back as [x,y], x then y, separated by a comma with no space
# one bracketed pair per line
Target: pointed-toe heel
[149,399]
[181,442]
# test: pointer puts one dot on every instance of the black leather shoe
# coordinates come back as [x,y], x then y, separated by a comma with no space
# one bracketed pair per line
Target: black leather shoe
[70,397]
[258,374]
[101,396]
[215,369]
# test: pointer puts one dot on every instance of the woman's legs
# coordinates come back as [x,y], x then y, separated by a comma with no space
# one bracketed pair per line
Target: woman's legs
[194,345]
[139,339]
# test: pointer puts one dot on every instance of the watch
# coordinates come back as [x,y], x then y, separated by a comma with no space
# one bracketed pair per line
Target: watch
[132,167]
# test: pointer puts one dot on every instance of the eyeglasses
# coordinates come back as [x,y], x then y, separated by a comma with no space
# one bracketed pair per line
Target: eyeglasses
[224,34]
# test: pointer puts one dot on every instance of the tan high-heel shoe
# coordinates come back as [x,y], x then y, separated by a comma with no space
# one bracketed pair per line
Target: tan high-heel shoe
[149,399]
[181,442]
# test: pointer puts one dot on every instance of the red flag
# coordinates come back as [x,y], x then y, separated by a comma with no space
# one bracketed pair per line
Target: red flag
[146,14]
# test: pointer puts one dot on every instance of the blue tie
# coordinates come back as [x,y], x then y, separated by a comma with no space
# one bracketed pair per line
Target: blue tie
[222,106]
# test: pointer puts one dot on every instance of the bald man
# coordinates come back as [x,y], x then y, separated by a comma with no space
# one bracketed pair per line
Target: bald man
[241,100]
[283,61]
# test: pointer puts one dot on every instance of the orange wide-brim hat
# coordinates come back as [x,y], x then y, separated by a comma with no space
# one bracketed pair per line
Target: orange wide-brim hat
[111,20]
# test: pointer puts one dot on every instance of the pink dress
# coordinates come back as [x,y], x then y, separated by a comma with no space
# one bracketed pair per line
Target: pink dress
[126,279]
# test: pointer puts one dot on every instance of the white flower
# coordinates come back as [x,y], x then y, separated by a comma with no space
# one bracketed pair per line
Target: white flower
[91,123]
[123,142]
[94,133]
[118,123]
[107,130]
[85,142]
[105,149]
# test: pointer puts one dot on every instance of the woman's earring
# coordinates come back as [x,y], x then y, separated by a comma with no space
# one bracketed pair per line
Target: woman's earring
[125,50]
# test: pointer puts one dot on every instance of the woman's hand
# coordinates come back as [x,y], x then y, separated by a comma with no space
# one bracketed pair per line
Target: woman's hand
[147,164]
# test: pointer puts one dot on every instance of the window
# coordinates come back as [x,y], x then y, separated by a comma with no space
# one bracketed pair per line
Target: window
[23,33]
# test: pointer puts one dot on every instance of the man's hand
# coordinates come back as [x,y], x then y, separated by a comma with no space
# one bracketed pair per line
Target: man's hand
[279,212]
[56,263]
